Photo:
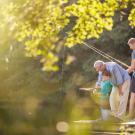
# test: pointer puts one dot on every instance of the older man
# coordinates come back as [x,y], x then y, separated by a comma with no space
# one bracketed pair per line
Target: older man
[120,80]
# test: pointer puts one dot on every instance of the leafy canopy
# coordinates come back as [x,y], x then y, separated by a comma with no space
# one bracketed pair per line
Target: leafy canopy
[40,24]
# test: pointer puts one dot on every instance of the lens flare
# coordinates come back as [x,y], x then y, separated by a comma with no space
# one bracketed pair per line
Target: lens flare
[62,126]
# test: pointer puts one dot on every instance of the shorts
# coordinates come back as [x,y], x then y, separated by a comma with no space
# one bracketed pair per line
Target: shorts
[132,86]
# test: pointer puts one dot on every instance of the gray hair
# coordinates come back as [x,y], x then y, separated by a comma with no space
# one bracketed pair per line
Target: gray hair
[98,63]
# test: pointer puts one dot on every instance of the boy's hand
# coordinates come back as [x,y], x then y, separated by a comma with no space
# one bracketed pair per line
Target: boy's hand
[97,87]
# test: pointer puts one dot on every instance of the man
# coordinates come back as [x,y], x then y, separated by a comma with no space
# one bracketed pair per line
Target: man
[131,44]
[120,80]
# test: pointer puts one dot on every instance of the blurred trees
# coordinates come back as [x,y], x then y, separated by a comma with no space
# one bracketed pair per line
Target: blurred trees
[44,27]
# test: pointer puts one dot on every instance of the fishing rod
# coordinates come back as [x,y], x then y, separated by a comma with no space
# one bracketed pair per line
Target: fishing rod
[87,89]
[93,90]
[105,55]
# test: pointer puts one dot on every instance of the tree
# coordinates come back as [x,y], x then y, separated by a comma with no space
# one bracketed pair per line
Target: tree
[38,24]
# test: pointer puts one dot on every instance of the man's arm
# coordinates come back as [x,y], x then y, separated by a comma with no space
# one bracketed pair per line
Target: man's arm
[117,78]
[132,67]
[98,83]
[120,90]
[133,64]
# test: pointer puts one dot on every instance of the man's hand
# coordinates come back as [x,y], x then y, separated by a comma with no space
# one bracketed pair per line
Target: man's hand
[120,90]
[130,69]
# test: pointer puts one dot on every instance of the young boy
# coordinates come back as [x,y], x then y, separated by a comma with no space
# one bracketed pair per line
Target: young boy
[105,90]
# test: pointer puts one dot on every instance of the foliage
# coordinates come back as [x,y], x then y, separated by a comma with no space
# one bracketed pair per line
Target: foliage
[131,17]
[38,24]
